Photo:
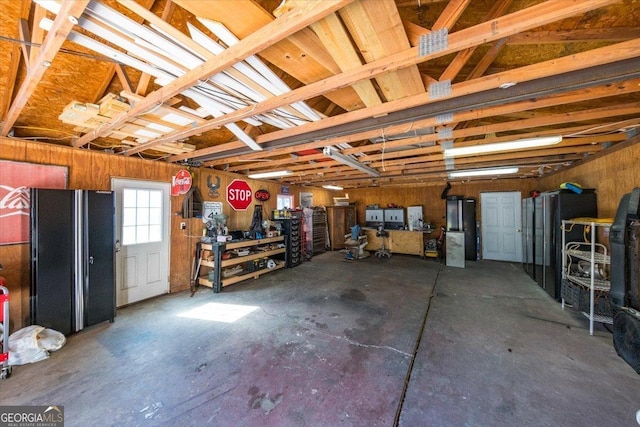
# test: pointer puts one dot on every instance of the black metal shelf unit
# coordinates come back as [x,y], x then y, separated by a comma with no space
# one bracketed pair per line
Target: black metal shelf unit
[292,227]
[319,231]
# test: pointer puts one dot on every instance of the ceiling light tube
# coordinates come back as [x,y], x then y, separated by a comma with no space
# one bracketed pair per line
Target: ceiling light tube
[214,106]
[248,71]
[203,40]
[233,128]
[228,38]
[332,187]
[126,25]
[51,6]
[132,48]
[332,153]
[273,174]
[483,172]
[242,136]
[177,42]
[502,146]
[108,51]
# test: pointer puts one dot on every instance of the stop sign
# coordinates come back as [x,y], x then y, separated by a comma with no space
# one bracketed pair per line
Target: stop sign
[239,195]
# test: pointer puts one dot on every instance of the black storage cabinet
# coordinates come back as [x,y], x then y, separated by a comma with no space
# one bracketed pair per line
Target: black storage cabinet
[72,259]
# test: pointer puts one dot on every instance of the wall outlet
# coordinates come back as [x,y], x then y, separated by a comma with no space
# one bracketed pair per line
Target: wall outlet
[183,226]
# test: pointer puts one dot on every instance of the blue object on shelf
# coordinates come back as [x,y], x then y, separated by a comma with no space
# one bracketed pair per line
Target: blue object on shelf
[571,186]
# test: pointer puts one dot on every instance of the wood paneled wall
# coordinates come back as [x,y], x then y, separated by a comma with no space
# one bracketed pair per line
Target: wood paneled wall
[612,175]
[92,170]
[429,196]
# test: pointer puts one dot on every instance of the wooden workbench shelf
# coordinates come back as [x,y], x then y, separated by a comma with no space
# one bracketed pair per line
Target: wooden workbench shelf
[210,256]
[398,241]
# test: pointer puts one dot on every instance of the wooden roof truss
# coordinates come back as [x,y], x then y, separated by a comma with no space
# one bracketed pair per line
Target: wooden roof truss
[230,85]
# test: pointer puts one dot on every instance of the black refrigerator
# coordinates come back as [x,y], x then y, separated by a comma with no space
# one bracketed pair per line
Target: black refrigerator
[461,216]
[549,211]
[72,259]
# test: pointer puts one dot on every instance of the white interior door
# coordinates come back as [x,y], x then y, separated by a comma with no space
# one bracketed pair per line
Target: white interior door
[501,226]
[142,233]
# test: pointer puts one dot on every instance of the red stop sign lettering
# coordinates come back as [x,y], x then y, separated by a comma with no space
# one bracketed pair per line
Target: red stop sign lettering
[239,195]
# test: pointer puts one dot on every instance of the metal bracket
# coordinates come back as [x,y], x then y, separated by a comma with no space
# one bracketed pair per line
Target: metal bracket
[441,119]
[440,89]
[435,41]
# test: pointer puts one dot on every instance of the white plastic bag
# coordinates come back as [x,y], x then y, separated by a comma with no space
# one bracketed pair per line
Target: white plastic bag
[32,344]
[51,340]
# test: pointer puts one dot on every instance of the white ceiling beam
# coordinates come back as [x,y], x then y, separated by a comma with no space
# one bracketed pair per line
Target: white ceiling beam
[547,12]
[275,31]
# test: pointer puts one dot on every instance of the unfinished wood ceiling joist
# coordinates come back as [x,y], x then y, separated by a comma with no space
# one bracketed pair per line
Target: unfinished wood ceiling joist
[261,85]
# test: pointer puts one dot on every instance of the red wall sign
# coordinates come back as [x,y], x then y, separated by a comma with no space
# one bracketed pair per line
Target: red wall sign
[262,195]
[15,181]
[181,183]
[239,195]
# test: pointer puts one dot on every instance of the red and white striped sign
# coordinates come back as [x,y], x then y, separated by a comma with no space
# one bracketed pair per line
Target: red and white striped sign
[15,181]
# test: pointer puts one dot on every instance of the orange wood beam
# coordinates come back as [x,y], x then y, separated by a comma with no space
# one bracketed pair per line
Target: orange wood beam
[547,12]
[61,28]
[273,32]
[14,64]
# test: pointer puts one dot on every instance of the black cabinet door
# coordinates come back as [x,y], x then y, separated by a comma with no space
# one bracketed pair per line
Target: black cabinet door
[469,227]
[52,262]
[72,259]
[99,286]
[567,206]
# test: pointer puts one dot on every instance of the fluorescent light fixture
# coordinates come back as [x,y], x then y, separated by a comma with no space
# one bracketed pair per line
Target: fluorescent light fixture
[332,187]
[332,153]
[273,174]
[483,172]
[502,146]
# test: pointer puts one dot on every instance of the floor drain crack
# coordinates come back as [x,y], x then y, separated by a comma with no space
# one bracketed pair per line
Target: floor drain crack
[359,344]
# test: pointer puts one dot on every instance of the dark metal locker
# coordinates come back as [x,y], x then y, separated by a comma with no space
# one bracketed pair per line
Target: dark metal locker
[470,229]
[99,287]
[566,205]
[72,259]
[52,265]
[550,209]
[528,235]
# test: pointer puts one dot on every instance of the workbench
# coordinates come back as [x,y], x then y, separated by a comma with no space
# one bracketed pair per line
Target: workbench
[398,242]
[211,255]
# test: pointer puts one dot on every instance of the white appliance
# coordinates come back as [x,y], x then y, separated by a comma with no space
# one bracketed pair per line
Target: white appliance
[414,214]
[455,248]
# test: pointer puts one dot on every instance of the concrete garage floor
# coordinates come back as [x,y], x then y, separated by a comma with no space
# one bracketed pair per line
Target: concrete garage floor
[401,341]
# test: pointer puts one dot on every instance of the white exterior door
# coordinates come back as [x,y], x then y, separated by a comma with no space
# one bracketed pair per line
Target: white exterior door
[501,226]
[142,233]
